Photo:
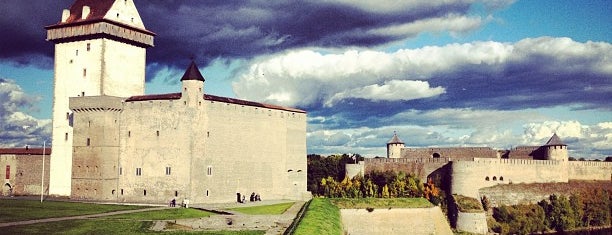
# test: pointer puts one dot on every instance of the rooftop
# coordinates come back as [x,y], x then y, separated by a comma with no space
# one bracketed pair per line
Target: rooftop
[25,151]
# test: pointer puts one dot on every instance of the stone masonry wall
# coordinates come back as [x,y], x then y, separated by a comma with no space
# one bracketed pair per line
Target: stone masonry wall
[395,221]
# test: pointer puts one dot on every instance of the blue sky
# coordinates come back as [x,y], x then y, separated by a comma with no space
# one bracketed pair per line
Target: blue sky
[496,73]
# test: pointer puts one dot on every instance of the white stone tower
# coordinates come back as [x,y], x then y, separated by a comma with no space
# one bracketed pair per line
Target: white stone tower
[192,86]
[100,48]
[394,147]
[556,149]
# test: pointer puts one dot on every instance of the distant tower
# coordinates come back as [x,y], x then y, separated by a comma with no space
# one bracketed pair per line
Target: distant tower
[100,48]
[193,85]
[556,149]
[394,147]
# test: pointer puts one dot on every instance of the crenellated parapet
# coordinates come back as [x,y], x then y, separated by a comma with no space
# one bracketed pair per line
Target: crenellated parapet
[102,29]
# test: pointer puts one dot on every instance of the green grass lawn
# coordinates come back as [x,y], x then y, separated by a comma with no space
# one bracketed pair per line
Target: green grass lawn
[363,203]
[322,217]
[105,226]
[168,214]
[275,209]
[19,210]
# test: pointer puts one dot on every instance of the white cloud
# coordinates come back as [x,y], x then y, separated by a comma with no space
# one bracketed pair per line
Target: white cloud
[18,128]
[307,77]
[452,23]
[390,91]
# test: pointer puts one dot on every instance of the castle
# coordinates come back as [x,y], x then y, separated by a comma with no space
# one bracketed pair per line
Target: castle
[468,170]
[111,142]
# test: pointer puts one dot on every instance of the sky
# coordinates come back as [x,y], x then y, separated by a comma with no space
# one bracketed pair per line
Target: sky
[499,73]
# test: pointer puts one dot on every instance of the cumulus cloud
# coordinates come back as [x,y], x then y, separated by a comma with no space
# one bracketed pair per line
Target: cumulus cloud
[531,73]
[18,128]
[390,91]
[243,29]
[592,140]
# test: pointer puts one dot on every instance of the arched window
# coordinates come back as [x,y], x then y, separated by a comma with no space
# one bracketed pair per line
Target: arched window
[494,178]
[487,178]
[501,178]
[436,155]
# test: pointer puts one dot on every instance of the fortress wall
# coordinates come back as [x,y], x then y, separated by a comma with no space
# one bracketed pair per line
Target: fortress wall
[267,154]
[24,174]
[472,222]
[353,170]
[395,221]
[522,152]
[154,135]
[421,167]
[459,153]
[469,176]
[581,170]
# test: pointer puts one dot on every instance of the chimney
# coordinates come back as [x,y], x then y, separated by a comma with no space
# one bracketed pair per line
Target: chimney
[85,12]
[65,15]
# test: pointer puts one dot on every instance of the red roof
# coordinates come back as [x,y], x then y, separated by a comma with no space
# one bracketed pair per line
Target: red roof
[176,96]
[97,11]
[25,151]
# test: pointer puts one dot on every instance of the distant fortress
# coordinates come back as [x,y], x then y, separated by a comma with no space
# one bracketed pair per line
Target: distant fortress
[468,170]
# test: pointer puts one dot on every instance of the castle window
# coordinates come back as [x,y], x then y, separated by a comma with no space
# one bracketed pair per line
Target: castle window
[67,115]
[487,178]
[120,170]
[436,155]
[139,171]
[494,178]
[176,193]
[121,191]
[207,192]
[66,136]
[89,124]
[113,192]
[84,72]
[129,133]
[117,15]
[83,93]
[88,141]
[77,52]
[145,192]
[168,170]
[501,178]
[157,133]
[88,46]
[209,170]
[208,134]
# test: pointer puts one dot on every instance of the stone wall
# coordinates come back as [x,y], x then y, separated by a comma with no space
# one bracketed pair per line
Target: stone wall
[469,176]
[583,170]
[453,153]
[421,167]
[395,221]
[472,222]
[24,173]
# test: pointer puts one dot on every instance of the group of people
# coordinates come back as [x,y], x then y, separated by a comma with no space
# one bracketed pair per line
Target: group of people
[185,203]
[254,197]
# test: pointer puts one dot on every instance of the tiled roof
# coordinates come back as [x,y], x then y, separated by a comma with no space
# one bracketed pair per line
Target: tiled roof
[97,11]
[192,73]
[555,141]
[395,140]
[25,151]
[176,96]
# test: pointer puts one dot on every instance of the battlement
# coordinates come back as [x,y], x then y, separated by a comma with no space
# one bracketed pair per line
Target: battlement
[516,161]
[96,104]
[590,163]
[406,160]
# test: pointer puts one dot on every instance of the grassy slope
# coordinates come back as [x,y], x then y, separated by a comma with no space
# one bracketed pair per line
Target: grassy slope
[275,209]
[363,203]
[19,210]
[322,217]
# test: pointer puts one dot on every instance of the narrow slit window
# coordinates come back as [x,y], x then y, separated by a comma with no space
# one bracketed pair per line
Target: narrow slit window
[168,170]
[88,141]
[138,171]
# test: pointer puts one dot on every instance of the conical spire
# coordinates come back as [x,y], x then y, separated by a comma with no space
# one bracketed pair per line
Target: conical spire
[395,139]
[192,73]
[555,141]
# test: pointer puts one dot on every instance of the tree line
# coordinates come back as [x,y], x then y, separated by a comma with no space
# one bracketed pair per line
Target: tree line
[559,213]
